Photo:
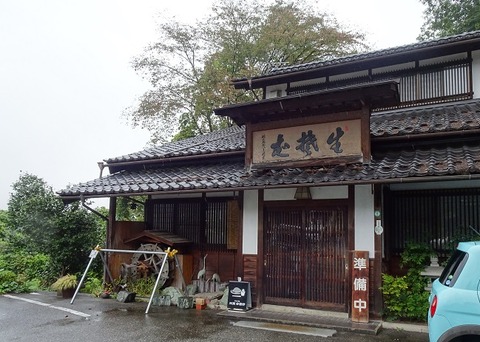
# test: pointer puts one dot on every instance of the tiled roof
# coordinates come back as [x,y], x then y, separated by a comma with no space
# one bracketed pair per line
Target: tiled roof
[193,177]
[393,166]
[445,117]
[374,54]
[225,140]
[386,167]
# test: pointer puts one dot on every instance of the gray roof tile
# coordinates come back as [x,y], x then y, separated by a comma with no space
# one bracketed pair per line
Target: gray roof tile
[391,166]
[463,160]
[438,161]
[168,179]
[446,117]
[225,140]
[373,54]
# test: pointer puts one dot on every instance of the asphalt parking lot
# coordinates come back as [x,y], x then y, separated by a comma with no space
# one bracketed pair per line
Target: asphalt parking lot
[45,317]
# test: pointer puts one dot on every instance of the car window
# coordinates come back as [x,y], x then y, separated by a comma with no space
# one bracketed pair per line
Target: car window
[454,268]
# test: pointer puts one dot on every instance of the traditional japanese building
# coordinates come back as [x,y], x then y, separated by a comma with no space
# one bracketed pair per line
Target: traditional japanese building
[318,187]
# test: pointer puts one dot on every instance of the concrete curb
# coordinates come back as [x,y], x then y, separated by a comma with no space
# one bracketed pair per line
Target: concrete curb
[419,328]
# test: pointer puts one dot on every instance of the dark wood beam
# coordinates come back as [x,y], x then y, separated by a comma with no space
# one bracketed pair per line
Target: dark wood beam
[375,95]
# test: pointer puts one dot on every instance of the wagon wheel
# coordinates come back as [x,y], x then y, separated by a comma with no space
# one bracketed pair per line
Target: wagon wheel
[153,261]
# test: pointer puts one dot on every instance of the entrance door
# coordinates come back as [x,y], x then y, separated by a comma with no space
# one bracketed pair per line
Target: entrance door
[305,256]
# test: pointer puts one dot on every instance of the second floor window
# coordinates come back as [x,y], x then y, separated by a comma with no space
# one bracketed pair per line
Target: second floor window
[442,82]
[436,83]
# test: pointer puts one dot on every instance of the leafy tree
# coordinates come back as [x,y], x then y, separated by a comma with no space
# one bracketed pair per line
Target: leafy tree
[3,223]
[76,234]
[38,223]
[449,17]
[101,225]
[32,210]
[3,229]
[128,209]
[191,66]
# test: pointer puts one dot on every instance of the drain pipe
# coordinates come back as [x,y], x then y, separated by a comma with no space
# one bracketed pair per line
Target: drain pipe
[101,166]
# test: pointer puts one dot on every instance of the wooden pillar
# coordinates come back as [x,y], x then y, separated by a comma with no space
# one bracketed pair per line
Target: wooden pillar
[260,256]
[350,243]
[239,256]
[112,213]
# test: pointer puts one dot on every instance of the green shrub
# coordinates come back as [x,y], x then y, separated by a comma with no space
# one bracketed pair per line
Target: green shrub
[416,256]
[33,285]
[13,283]
[93,286]
[405,297]
[68,281]
[7,276]
[30,265]
[142,287]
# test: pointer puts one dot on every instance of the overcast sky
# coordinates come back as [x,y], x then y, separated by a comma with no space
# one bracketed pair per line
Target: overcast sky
[66,77]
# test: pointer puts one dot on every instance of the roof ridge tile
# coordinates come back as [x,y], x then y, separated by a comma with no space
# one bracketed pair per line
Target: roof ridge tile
[374,53]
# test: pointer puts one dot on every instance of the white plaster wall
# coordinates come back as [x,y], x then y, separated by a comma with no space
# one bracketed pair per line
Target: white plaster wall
[349,75]
[250,222]
[326,192]
[476,73]
[364,219]
[308,82]
[271,91]
[436,60]
[330,192]
[279,194]
[395,67]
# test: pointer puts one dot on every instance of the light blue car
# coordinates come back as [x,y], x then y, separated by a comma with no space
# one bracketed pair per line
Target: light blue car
[454,313]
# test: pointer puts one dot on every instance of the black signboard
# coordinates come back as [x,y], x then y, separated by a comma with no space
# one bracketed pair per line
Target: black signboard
[239,296]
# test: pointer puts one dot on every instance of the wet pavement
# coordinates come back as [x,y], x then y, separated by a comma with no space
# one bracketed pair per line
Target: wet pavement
[45,317]
[315,318]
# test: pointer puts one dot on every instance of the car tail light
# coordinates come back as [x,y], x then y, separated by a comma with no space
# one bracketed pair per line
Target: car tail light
[433,306]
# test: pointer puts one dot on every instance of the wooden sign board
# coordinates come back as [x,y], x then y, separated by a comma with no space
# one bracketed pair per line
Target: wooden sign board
[308,142]
[360,287]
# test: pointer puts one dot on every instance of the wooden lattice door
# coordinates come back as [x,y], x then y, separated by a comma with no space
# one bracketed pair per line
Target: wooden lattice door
[305,256]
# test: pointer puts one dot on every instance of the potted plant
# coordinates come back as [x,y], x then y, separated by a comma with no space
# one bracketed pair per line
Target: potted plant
[66,285]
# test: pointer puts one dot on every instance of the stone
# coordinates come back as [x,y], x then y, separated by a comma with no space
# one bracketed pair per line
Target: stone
[173,292]
[162,300]
[185,302]
[224,300]
[192,289]
[126,297]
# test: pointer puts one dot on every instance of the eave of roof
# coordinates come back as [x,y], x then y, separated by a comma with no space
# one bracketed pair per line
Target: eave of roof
[228,140]
[193,177]
[435,163]
[390,163]
[462,117]
[444,118]
[400,54]
[374,94]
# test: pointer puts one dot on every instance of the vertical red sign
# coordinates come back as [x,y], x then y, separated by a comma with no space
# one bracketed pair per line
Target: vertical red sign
[360,271]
